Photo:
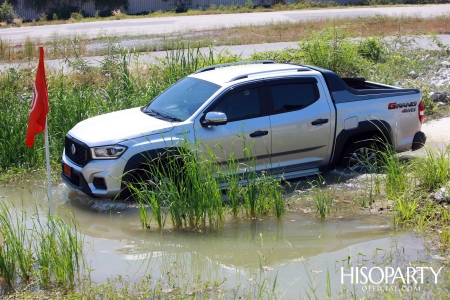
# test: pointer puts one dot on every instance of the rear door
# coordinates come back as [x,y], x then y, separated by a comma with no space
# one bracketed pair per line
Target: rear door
[300,118]
[247,136]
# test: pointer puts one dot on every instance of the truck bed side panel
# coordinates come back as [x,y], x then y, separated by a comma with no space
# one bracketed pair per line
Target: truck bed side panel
[403,121]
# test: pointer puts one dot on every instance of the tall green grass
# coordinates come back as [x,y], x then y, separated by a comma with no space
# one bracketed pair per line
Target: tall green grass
[41,252]
[119,83]
[189,185]
[86,92]
[322,197]
[433,170]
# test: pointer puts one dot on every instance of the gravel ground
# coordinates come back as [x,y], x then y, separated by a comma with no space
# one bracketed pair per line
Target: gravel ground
[437,132]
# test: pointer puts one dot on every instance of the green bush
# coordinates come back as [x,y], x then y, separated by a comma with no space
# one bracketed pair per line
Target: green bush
[7,13]
[326,49]
[180,5]
[371,49]
[63,12]
[78,16]
[331,50]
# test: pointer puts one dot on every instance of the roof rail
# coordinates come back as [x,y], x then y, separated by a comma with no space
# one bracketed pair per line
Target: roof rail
[301,69]
[235,64]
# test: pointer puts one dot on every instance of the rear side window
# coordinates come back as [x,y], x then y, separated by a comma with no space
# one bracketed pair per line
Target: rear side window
[240,105]
[293,96]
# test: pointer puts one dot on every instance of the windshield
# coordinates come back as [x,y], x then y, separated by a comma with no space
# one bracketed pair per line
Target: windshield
[182,99]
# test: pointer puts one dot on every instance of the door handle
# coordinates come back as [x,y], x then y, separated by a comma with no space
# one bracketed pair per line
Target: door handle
[258,133]
[319,121]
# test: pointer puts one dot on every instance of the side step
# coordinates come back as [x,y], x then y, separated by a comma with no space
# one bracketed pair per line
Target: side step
[282,176]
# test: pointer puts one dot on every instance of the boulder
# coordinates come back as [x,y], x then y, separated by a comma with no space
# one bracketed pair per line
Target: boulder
[442,97]
[413,74]
[443,82]
[443,194]
[445,64]
[433,96]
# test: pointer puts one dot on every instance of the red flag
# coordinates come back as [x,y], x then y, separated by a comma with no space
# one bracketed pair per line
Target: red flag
[39,106]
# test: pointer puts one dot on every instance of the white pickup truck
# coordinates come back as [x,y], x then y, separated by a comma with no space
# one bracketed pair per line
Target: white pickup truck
[300,120]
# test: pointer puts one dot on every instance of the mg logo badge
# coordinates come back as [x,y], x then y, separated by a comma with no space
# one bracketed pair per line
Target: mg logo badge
[73,149]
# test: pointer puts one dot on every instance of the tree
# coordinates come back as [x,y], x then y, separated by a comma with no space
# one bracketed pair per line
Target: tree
[111,4]
[7,12]
[43,5]
[180,5]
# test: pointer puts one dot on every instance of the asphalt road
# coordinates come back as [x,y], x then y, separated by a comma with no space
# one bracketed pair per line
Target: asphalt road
[167,25]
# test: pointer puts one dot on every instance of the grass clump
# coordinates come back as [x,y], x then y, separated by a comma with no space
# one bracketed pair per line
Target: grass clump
[37,252]
[186,184]
[412,185]
[86,92]
[322,197]
[433,170]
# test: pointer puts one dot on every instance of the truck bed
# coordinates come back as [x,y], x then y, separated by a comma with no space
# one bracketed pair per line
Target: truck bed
[358,89]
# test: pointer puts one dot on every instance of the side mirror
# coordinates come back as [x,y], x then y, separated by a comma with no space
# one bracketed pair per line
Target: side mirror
[214,118]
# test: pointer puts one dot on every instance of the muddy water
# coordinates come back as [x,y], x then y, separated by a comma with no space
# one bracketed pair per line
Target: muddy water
[298,250]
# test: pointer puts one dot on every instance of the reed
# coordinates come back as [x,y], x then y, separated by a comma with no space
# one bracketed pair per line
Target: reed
[433,170]
[188,183]
[86,92]
[322,197]
[38,251]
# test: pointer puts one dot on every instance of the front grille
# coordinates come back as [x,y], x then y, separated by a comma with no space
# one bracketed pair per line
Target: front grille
[80,156]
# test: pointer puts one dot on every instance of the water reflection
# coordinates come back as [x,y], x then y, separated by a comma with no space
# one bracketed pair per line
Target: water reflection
[288,249]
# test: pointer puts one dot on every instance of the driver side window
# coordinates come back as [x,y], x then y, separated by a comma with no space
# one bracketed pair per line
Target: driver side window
[241,105]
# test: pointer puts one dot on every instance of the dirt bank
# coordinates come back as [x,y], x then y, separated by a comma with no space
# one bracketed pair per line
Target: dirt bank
[438,132]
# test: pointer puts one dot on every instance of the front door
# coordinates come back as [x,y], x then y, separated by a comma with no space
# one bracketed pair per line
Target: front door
[246,138]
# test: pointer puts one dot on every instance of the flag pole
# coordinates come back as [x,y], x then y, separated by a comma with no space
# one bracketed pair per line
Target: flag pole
[49,174]
[38,118]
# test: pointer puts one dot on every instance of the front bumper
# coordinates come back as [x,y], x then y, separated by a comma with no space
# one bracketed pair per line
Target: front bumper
[101,178]
[419,141]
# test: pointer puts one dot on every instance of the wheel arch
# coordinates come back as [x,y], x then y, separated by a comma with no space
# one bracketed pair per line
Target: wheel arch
[140,161]
[377,130]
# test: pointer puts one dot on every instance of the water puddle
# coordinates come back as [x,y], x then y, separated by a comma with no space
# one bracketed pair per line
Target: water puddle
[299,252]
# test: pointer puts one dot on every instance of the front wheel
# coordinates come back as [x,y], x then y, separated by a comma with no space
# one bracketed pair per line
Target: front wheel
[361,157]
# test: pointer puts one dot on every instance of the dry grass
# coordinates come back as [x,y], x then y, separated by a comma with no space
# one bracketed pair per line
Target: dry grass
[17,21]
[374,26]
[117,14]
[270,33]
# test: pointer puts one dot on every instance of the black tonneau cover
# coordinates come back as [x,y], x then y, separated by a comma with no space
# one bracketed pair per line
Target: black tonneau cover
[342,93]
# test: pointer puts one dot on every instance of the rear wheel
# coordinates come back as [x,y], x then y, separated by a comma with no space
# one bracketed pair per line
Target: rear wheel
[361,157]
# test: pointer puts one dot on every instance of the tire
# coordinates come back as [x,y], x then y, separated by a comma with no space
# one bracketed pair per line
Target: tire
[137,178]
[146,178]
[361,157]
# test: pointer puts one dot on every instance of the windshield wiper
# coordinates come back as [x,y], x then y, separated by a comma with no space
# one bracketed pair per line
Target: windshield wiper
[165,116]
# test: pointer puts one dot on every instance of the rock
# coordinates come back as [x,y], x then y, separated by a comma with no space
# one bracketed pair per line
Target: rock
[442,97]
[446,64]
[440,104]
[443,194]
[413,74]
[433,96]
[443,82]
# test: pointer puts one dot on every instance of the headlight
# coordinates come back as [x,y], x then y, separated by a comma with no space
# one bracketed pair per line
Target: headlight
[107,152]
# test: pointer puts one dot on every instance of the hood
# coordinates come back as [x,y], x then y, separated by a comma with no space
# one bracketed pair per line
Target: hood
[112,128]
